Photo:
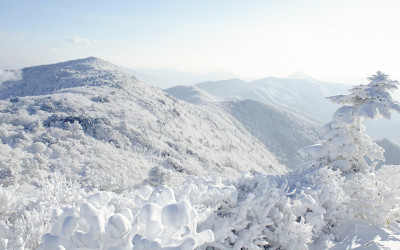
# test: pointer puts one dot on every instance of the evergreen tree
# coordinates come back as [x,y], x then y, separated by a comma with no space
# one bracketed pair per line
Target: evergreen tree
[345,146]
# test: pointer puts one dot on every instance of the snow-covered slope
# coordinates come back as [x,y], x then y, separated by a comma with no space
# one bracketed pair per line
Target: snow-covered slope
[282,132]
[192,94]
[96,123]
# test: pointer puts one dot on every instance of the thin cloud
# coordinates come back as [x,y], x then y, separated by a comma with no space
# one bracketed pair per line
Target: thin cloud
[80,40]
[10,75]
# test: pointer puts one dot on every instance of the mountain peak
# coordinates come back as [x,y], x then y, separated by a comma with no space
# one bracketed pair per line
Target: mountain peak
[47,79]
[299,75]
[86,63]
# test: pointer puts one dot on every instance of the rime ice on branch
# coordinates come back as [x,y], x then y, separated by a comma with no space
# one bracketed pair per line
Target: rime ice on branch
[345,147]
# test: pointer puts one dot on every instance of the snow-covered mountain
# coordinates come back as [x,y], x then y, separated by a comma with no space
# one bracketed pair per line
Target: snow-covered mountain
[283,132]
[95,122]
[80,140]
[192,94]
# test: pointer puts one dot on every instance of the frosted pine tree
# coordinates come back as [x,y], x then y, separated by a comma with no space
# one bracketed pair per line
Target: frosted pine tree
[345,146]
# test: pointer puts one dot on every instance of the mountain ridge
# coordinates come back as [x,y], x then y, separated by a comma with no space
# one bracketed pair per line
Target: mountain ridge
[47,79]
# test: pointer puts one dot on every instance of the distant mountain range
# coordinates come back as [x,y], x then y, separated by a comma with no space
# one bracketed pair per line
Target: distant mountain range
[304,95]
[301,94]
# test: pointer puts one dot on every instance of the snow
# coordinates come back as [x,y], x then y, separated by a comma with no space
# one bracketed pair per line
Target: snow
[360,235]
[152,225]
[93,158]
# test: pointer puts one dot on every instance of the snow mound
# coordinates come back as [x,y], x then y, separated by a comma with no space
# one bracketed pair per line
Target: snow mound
[192,94]
[156,222]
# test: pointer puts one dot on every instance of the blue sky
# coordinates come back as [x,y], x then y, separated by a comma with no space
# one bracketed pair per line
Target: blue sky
[342,41]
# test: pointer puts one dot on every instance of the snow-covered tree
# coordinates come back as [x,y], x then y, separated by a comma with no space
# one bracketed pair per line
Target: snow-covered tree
[346,147]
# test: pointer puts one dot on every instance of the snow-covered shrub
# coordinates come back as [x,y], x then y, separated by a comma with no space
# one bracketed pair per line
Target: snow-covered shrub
[254,212]
[25,209]
[375,197]
[155,219]
[326,187]
[261,216]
